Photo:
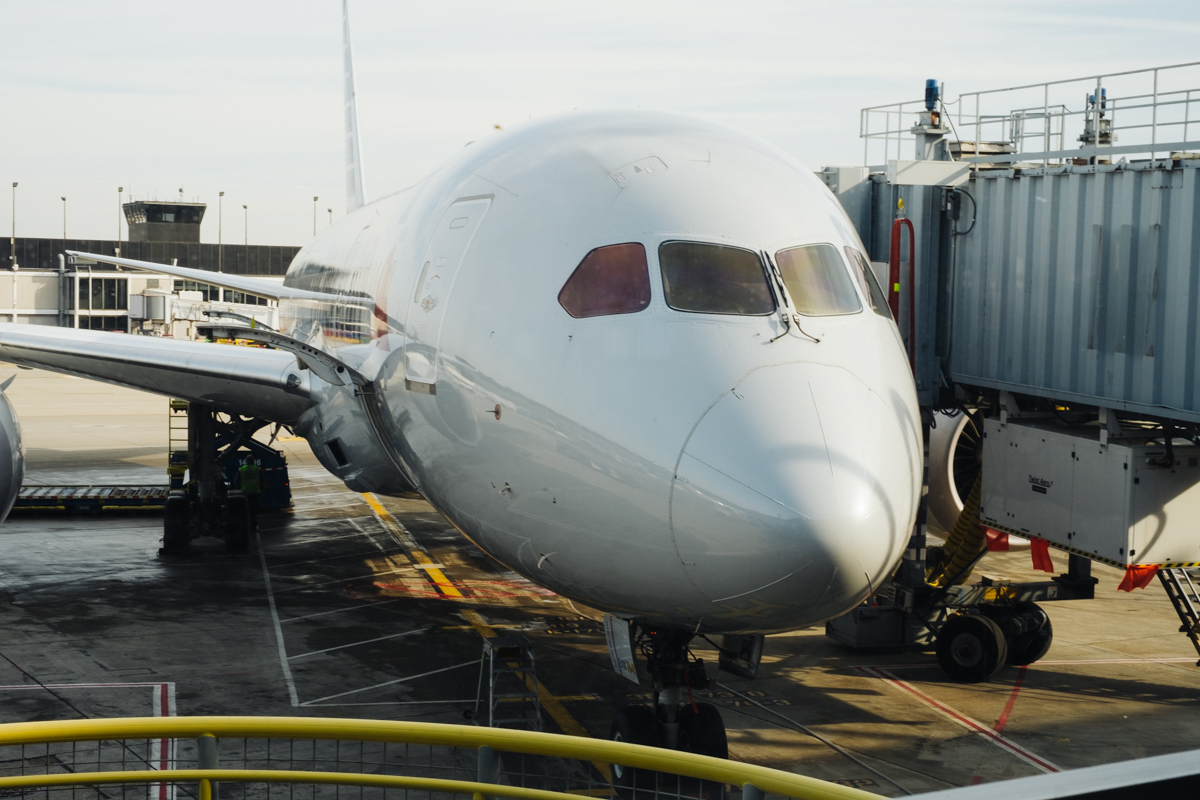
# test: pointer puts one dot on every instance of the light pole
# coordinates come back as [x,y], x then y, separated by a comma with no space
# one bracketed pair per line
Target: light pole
[315,199]
[246,230]
[64,223]
[119,190]
[330,210]
[12,242]
[220,214]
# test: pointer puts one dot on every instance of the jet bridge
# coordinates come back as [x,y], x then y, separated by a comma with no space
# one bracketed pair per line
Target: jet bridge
[1039,245]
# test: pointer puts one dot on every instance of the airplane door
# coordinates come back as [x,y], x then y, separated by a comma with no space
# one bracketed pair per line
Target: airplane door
[428,298]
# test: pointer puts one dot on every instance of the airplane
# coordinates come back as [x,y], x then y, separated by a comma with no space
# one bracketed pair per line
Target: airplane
[639,358]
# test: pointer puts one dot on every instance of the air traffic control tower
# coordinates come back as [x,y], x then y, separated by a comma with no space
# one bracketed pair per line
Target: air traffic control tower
[154,221]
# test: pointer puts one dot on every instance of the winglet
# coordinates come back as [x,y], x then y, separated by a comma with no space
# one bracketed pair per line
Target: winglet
[354,176]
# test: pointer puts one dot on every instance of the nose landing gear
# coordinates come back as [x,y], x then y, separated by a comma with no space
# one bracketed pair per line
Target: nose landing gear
[677,721]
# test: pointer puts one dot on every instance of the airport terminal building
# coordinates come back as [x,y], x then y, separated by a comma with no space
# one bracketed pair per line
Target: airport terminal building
[36,288]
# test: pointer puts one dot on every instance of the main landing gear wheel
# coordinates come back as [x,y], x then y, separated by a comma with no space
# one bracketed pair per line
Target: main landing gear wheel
[177,529]
[1028,633]
[237,523]
[971,648]
[635,725]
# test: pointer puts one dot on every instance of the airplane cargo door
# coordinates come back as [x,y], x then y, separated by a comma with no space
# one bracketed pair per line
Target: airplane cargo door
[428,297]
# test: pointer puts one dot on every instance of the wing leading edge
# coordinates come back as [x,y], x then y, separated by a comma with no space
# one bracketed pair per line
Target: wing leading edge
[250,381]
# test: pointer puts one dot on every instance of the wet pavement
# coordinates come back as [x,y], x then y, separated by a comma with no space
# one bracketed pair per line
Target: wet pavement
[352,605]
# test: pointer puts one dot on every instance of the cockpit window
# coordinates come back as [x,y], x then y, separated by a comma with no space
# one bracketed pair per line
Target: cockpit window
[865,276]
[714,279]
[609,280]
[817,280]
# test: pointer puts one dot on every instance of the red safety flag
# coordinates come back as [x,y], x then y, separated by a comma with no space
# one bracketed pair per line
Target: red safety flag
[1137,576]
[997,541]
[1041,555]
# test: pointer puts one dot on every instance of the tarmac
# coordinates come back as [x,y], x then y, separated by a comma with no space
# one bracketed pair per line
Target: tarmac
[360,606]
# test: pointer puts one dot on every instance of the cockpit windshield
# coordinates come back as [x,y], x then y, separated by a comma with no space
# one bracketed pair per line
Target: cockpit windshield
[817,280]
[714,279]
[609,280]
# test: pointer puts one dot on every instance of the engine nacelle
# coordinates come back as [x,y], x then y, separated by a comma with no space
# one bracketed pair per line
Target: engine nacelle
[955,458]
[12,456]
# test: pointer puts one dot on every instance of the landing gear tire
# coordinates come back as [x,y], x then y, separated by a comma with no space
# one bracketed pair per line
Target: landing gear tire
[237,523]
[635,725]
[177,532]
[702,731]
[1028,646]
[971,648]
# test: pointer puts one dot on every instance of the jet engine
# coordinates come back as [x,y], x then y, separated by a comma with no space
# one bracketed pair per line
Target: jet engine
[12,455]
[955,458]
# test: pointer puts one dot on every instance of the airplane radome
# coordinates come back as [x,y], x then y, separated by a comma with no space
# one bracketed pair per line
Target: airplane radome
[637,357]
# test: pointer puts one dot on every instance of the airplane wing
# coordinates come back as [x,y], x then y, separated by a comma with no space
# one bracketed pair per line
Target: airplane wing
[243,380]
[240,283]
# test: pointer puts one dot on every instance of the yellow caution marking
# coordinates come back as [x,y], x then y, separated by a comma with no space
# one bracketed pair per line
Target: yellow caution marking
[426,565]
[552,704]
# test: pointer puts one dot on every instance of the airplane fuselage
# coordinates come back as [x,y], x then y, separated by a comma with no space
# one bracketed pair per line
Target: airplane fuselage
[726,464]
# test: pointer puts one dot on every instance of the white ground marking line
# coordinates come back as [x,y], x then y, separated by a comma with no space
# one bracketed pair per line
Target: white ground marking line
[356,644]
[321,700]
[1008,745]
[283,661]
[1045,662]
[308,523]
[327,559]
[304,586]
[340,610]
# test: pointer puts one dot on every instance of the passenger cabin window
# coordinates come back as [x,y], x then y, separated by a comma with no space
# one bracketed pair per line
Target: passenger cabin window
[865,275]
[817,280]
[609,280]
[714,279]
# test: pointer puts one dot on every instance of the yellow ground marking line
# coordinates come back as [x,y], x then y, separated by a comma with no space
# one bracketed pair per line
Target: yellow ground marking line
[426,565]
[553,706]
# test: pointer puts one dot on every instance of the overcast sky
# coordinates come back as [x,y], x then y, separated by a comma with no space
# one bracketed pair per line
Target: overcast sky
[245,96]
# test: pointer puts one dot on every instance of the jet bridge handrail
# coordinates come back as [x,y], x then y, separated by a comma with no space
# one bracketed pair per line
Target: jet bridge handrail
[755,780]
[1033,118]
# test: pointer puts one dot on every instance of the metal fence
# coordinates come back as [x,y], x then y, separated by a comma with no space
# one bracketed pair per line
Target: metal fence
[272,758]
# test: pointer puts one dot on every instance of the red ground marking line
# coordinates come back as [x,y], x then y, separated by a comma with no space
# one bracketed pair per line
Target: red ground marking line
[160,701]
[1012,700]
[1003,743]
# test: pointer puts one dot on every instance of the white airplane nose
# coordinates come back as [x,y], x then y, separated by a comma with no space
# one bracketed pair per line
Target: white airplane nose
[798,474]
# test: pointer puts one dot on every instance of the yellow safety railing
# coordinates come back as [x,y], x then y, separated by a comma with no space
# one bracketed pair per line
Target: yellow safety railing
[755,780]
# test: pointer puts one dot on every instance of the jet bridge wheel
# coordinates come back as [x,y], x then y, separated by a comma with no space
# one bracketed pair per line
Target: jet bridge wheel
[177,529]
[971,648]
[635,725]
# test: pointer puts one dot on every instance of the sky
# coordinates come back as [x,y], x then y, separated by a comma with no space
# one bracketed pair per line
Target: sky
[245,97]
